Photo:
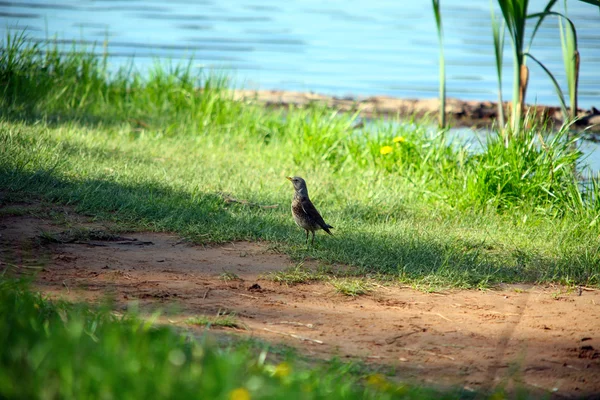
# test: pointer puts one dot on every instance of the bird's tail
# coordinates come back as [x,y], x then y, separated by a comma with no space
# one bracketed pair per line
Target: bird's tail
[327,227]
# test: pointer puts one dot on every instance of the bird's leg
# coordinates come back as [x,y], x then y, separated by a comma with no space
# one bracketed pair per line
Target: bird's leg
[307,236]
[313,239]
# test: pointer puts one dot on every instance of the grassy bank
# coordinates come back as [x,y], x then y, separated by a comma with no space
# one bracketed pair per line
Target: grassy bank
[158,153]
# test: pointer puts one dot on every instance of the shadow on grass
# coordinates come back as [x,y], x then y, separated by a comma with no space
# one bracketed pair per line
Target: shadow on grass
[411,255]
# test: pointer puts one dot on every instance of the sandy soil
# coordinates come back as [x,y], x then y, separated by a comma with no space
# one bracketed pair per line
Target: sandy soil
[545,338]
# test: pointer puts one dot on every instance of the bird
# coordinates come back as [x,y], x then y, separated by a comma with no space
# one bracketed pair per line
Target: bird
[304,212]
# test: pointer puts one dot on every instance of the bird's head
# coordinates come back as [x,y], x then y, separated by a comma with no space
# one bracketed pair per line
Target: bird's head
[299,185]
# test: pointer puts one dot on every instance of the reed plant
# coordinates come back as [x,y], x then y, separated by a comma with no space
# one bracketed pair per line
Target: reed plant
[571,60]
[438,23]
[498,33]
[515,14]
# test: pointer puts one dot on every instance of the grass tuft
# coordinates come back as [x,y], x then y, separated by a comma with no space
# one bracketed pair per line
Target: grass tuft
[229,276]
[351,286]
[299,274]
[220,320]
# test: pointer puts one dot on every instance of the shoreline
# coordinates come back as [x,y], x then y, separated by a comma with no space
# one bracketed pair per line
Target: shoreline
[460,113]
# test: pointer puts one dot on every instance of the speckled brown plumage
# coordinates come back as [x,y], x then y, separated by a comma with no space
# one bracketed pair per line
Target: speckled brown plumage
[304,212]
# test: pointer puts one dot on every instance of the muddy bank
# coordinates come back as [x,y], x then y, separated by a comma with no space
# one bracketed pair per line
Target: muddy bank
[479,114]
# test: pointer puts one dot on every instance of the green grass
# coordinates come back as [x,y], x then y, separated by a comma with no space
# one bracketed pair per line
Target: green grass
[229,276]
[220,320]
[156,154]
[343,282]
[298,274]
[60,350]
[351,286]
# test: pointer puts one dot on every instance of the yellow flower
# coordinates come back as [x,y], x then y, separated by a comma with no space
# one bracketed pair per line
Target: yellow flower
[376,380]
[282,370]
[399,139]
[498,396]
[386,149]
[307,388]
[239,394]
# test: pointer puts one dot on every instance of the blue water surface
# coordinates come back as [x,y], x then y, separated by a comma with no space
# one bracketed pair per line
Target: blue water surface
[341,48]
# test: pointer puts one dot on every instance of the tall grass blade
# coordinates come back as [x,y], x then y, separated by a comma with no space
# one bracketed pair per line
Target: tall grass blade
[557,88]
[438,22]
[498,33]
[515,15]
[568,42]
[592,2]
[540,16]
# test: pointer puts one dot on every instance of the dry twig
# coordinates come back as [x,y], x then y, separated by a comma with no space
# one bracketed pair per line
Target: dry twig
[245,295]
[431,353]
[294,336]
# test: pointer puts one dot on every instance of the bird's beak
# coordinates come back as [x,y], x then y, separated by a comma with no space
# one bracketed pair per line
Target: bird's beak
[289,178]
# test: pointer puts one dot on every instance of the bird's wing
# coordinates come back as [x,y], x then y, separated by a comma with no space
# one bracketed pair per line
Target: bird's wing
[311,211]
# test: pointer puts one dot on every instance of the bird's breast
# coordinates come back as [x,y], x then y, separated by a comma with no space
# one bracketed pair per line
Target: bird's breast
[303,220]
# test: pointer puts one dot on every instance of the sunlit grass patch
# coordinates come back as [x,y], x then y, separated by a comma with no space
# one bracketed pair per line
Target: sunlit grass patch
[352,286]
[298,274]
[227,276]
[224,320]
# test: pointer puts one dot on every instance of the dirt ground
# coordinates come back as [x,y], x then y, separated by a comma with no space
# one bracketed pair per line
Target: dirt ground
[544,338]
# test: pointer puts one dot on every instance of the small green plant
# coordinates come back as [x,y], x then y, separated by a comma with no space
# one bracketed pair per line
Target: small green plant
[351,286]
[536,167]
[229,276]
[298,274]
[221,320]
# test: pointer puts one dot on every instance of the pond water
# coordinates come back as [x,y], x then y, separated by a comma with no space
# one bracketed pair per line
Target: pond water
[343,48]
